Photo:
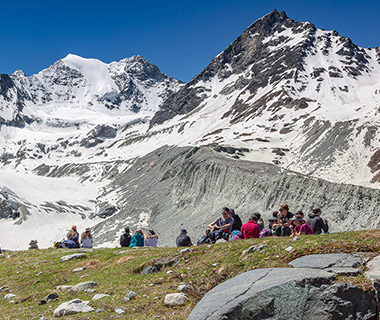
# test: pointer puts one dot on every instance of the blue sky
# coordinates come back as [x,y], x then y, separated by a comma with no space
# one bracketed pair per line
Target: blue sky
[180,37]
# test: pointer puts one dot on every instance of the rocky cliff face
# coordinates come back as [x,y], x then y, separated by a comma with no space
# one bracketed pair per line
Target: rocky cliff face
[174,188]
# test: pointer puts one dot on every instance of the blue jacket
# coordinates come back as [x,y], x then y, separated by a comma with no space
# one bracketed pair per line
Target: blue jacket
[137,240]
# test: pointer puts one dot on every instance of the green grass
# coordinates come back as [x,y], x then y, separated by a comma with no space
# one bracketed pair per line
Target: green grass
[116,274]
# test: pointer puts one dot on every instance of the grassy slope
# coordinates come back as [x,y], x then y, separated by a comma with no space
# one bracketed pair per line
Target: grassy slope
[118,274]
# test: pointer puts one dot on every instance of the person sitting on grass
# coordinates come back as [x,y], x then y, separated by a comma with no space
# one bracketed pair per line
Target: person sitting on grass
[300,226]
[237,221]
[137,239]
[259,221]
[151,239]
[221,227]
[125,238]
[251,229]
[317,223]
[72,241]
[86,238]
[283,221]
[272,226]
[183,240]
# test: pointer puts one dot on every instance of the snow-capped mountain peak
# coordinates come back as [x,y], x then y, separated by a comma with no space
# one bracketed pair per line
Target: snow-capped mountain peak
[284,92]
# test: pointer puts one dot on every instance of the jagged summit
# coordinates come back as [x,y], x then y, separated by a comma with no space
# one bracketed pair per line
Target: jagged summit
[248,54]
[289,84]
[18,74]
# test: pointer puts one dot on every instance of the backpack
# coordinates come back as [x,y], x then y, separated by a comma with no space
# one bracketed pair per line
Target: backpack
[264,234]
[235,235]
[58,244]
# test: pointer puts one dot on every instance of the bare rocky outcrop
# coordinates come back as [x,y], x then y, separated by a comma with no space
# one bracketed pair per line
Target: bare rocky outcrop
[285,293]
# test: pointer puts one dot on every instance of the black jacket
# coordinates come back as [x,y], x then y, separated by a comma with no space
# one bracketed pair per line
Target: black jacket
[237,222]
[317,224]
[183,240]
[125,240]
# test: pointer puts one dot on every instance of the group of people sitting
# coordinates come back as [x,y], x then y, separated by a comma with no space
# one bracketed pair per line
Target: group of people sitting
[229,227]
[138,239]
[283,223]
[73,240]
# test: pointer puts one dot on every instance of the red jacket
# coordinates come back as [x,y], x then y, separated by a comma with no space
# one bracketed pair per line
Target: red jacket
[250,230]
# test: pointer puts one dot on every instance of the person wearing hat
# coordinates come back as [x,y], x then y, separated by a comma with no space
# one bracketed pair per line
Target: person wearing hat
[251,229]
[86,238]
[125,238]
[183,240]
[300,226]
[137,239]
[272,226]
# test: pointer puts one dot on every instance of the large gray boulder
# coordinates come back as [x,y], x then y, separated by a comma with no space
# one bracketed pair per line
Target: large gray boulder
[285,293]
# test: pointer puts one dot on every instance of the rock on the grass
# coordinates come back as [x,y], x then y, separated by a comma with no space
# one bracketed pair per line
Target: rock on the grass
[3,288]
[175,299]
[119,311]
[64,287]
[285,293]
[254,248]
[100,296]
[185,250]
[49,298]
[72,307]
[83,286]
[73,256]
[9,296]
[79,269]
[130,296]
[183,287]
